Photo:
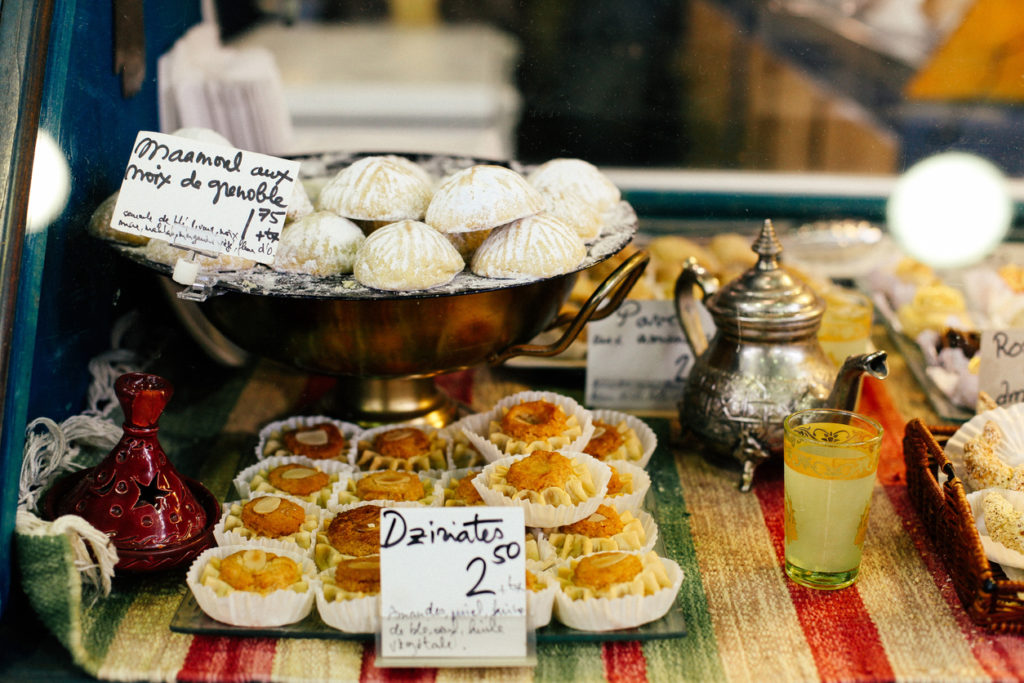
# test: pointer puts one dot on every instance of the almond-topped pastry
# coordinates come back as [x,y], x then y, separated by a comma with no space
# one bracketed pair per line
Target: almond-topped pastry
[389,485]
[406,256]
[579,177]
[603,530]
[257,571]
[359,575]
[271,521]
[481,197]
[402,448]
[536,246]
[356,531]
[273,516]
[298,480]
[319,441]
[613,575]
[378,189]
[533,425]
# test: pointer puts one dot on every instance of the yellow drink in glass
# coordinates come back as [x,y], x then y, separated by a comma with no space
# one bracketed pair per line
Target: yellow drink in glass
[846,324]
[831,457]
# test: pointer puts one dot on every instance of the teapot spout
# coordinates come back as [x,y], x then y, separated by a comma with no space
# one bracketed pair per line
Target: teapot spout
[846,389]
[687,305]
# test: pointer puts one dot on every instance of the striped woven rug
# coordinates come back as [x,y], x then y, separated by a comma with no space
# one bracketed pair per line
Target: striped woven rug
[745,620]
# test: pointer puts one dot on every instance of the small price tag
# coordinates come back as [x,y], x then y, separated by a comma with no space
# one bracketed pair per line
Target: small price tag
[638,358]
[1001,368]
[205,197]
[453,584]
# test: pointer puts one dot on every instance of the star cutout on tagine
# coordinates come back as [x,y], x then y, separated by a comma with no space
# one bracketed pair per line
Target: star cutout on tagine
[150,494]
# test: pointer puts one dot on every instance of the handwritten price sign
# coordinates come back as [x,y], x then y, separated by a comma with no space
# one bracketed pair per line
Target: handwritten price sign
[453,583]
[205,197]
[1001,369]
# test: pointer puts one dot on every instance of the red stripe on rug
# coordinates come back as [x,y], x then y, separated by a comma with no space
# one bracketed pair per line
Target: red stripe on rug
[999,655]
[624,661]
[221,658]
[840,633]
[371,673]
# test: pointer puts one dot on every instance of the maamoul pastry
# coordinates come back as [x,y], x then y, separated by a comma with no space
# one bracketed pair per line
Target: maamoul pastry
[536,246]
[161,251]
[402,448]
[466,243]
[320,243]
[269,518]
[352,532]
[253,570]
[482,197]
[574,211]
[545,477]
[613,575]
[299,205]
[406,256]
[579,177]
[388,486]
[1004,524]
[377,189]
[604,530]
[533,425]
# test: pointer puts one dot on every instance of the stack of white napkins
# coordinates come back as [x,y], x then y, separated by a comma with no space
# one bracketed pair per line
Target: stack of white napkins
[236,92]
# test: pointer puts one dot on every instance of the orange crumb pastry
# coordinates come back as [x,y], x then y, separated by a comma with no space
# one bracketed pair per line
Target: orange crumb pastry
[299,480]
[321,441]
[604,530]
[614,442]
[303,480]
[461,492]
[402,448]
[533,425]
[613,575]
[360,575]
[619,483]
[269,517]
[544,477]
[253,570]
[354,532]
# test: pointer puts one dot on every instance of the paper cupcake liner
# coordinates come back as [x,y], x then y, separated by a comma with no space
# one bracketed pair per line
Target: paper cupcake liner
[540,604]
[348,430]
[641,485]
[370,434]
[648,439]
[1010,448]
[476,428]
[225,537]
[242,479]
[433,497]
[542,515]
[464,451]
[359,615]
[609,614]
[994,550]
[243,608]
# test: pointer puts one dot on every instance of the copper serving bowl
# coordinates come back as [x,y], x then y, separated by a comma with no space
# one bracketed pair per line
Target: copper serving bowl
[386,347]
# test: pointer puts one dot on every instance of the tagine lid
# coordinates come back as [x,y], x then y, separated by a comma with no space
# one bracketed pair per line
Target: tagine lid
[767,297]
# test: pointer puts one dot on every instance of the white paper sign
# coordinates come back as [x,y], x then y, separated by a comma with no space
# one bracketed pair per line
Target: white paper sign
[205,197]
[638,357]
[453,583]
[1001,368]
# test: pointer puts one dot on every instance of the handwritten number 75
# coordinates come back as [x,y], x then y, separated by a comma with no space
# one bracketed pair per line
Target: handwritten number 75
[476,590]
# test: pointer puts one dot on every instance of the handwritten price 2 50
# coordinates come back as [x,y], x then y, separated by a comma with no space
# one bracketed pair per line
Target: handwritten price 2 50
[396,531]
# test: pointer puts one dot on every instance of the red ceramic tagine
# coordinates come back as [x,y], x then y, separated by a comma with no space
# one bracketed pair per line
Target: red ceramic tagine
[155,517]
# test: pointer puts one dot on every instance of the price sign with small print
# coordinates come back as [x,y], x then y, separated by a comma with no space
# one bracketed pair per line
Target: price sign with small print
[453,584]
[1001,366]
[638,358]
[205,197]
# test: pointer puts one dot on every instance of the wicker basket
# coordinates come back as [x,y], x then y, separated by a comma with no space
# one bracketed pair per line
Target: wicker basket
[990,599]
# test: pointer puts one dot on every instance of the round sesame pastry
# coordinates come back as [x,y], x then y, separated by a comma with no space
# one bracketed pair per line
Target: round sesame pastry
[251,586]
[616,590]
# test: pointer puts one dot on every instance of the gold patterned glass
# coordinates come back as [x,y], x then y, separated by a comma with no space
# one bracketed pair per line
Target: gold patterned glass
[831,457]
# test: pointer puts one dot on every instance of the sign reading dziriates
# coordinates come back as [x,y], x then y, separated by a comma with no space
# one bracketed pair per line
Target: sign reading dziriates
[453,583]
[204,196]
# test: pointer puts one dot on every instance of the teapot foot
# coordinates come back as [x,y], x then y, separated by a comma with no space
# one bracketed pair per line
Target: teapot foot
[749,453]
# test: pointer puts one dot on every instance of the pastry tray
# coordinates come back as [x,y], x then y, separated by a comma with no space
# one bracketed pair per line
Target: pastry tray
[191,619]
[990,599]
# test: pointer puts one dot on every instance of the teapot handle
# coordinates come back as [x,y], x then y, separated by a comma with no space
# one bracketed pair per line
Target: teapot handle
[614,288]
[693,274]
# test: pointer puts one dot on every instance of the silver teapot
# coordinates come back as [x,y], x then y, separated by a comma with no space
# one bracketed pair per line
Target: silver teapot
[763,361]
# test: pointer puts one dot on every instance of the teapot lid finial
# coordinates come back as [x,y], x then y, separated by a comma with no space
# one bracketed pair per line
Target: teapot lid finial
[767,247]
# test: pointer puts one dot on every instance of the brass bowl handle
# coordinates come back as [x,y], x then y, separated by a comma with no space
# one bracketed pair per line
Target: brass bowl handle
[611,292]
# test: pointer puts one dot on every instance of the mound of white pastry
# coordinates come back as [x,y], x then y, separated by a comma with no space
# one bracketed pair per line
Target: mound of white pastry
[578,177]
[320,243]
[482,197]
[404,256]
[536,246]
[377,188]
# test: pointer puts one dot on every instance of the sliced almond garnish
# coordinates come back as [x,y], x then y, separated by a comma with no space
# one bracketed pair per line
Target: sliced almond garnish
[312,437]
[298,473]
[266,505]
